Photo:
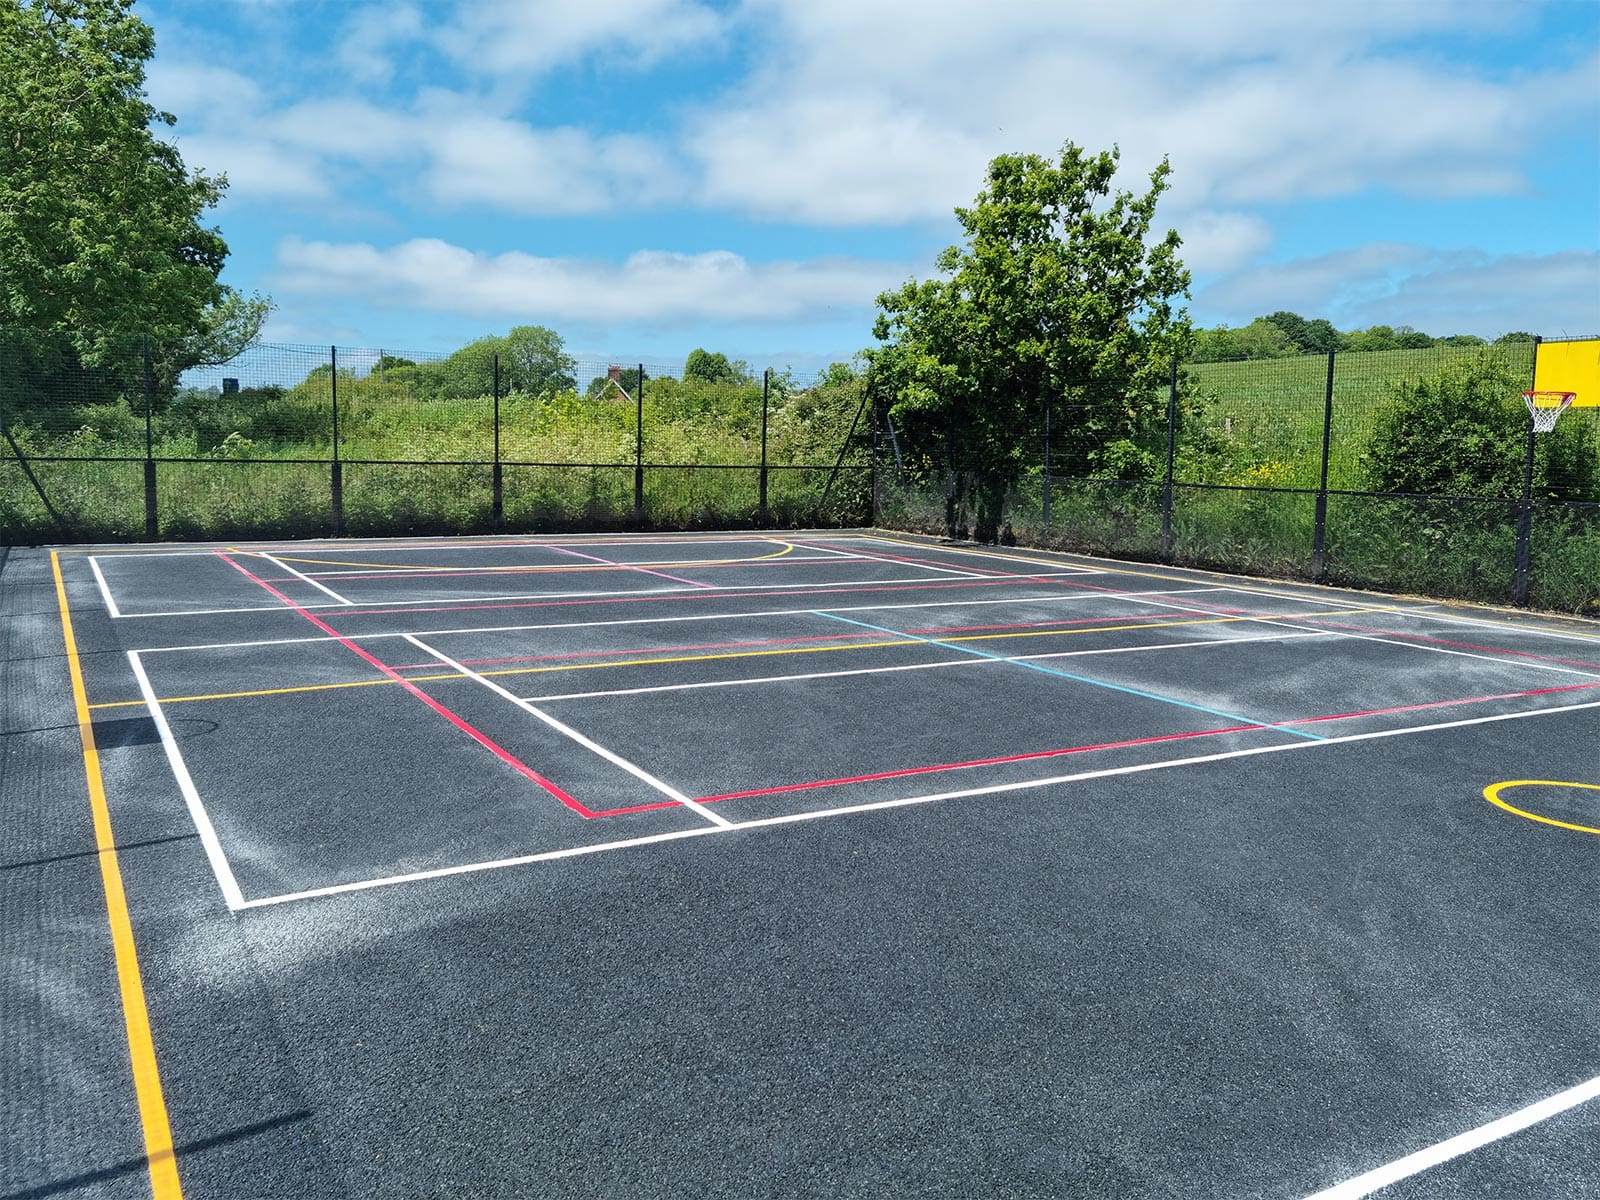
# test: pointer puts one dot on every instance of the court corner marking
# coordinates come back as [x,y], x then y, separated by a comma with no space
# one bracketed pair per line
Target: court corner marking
[1492,795]
[160,1155]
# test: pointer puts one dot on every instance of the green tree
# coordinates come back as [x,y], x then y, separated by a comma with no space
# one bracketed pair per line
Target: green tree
[713,368]
[1463,431]
[1059,297]
[533,360]
[101,233]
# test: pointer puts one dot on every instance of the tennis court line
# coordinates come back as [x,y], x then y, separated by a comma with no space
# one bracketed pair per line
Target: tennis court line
[105,588]
[897,641]
[191,796]
[1043,598]
[1462,1143]
[414,604]
[567,731]
[932,666]
[954,644]
[606,562]
[477,735]
[885,805]
[301,575]
[154,1124]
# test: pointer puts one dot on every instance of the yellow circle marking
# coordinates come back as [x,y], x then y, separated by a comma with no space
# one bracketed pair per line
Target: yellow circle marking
[1492,795]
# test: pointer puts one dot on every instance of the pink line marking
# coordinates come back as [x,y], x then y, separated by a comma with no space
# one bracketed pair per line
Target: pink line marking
[1437,641]
[471,731]
[489,662]
[1399,708]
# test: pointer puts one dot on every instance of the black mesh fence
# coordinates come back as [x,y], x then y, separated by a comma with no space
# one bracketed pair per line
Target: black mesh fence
[299,441]
[1405,470]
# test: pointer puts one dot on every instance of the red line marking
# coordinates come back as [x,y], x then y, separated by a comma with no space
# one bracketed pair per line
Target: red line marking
[1437,641]
[956,766]
[471,731]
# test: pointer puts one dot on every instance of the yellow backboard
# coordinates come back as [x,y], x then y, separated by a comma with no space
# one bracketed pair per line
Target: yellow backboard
[1569,367]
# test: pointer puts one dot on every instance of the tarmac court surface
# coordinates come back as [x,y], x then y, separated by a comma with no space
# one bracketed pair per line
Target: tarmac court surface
[761,864]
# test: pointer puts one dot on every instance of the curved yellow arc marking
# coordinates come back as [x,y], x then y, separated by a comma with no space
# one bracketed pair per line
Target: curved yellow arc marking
[1492,795]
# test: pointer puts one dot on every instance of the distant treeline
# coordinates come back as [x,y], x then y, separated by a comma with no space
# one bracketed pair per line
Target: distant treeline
[1285,333]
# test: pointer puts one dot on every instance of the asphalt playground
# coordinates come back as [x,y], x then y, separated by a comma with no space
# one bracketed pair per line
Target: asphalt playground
[833,864]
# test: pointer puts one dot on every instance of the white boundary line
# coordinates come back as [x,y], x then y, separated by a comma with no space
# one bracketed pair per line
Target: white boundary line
[1047,598]
[105,589]
[884,805]
[697,590]
[967,661]
[567,731]
[1464,1143]
[301,575]
[191,797]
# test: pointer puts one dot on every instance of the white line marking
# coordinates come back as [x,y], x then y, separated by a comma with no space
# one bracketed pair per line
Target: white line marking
[1050,598]
[1065,568]
[882,805]
[283,566]
[105,589]
[191,797]
[1464,1143]
[965,661]
[566,730]
[521,860]
[630,593]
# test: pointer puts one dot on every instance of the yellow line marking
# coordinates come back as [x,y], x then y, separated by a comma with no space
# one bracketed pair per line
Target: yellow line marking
[904,641]
[163,1163]
[1492,795]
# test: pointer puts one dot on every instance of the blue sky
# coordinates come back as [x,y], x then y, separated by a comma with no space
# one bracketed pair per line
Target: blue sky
[648,176]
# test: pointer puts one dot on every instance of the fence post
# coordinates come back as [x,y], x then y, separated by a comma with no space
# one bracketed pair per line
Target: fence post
[1319,532]
[1172,455]
[638,448]
[766,388]
[1519,583]
[1049,407]
[872,478]
[499,488]
[151,525]
[337,476]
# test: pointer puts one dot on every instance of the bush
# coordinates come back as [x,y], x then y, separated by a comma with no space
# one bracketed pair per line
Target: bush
[1462,431]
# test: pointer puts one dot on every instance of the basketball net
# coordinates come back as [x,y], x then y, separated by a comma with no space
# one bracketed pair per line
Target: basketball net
[1546,408]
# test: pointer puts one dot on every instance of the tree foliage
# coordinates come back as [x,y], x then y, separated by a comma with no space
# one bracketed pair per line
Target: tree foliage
[1059,299]
[101,231]
[1462,431]
[713,368]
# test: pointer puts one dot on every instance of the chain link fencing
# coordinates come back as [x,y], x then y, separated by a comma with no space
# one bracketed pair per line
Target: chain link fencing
[292,441]
[1402,470]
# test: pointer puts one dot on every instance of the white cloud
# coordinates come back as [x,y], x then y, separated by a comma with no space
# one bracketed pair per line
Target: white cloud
[1438,291]
[651,285]
[366,48]
[511,36]
[883,112]
[1220,241]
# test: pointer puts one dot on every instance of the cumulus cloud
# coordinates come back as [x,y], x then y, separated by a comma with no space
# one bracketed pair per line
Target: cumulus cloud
[513,36]
[651,285]
[1438,291]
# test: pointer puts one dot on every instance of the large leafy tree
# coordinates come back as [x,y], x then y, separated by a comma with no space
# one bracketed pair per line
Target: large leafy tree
[1060,298]
[101,230]
[533,359]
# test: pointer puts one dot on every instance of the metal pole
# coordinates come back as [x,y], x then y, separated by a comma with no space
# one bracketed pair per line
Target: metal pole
[337,474]
[638,447]
[1049,405]
[499,484]
[151,524]
[1172,458]
[1319,533]
[1520,580]
[766,388]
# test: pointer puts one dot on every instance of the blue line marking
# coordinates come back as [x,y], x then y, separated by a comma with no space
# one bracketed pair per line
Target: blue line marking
[1115,687]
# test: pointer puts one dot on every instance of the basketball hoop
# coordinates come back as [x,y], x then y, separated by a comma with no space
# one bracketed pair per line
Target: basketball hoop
[1546,408]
